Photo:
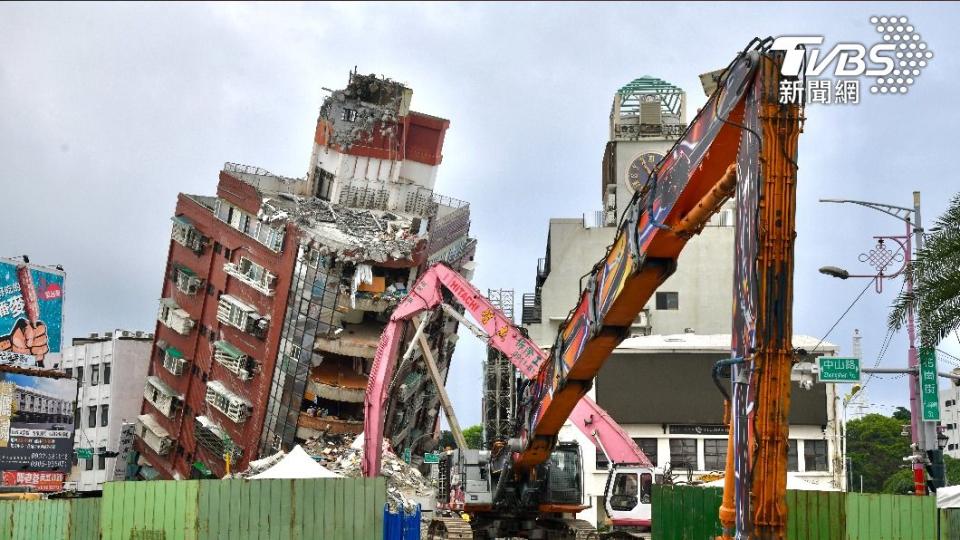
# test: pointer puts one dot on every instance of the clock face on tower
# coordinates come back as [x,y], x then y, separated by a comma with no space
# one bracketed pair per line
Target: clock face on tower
[640,170]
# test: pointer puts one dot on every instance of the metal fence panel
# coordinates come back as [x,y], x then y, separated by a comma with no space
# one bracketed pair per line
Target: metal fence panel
[340,508]
[63,519]
[685,513]
[164,509]
[886,517]
[690,513]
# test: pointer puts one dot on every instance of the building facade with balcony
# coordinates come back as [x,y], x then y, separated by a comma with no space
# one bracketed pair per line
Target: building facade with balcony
[276,289]
[111,370]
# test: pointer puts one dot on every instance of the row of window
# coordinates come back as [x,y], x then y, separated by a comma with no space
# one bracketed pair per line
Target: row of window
[253,274]
[247,271]
[92,416]
[95,372]
[248,224]
[684,454]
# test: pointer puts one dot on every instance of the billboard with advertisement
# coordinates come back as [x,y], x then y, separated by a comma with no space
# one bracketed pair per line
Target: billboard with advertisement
[40,481]
[31,314]
[36,426]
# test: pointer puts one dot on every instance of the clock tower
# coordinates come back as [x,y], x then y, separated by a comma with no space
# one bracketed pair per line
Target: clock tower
[647,117]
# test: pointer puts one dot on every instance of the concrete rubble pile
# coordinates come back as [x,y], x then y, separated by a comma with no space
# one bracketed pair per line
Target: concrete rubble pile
[406,486]
[353,234]
[369,106]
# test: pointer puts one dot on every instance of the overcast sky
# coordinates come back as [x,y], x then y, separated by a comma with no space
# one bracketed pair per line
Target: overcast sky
[107,111]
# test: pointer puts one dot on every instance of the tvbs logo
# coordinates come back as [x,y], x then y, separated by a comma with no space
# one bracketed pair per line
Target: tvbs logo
[896,61]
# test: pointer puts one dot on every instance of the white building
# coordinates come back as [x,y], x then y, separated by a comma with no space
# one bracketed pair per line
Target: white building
[658,383]
[112,368]
[660,390]
[950,419]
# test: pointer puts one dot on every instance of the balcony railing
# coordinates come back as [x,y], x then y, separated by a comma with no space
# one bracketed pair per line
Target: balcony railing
[186,279]
[231,358]
[185,234]
[173,317]
[164,398]
[233,406]
[173,361]
[153,434]
[241,316]
[532,308]
[263,285]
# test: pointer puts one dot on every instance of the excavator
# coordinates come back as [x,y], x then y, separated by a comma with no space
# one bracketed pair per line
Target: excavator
[742,143]
[631,473]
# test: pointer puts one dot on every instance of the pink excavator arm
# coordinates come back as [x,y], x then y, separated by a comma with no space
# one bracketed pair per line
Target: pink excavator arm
[427,294]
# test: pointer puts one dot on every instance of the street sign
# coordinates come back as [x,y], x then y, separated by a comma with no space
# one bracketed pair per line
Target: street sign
[406,455]
[837,369]
[84,453]
[431,457]
[929,390]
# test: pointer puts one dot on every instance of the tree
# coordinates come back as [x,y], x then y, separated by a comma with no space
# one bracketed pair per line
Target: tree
[902,414]
[446,440]
[474,437]
[876,450]
[902,481]
[936,282]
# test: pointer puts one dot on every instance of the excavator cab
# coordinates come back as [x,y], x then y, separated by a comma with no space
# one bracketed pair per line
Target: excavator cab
[627,495]
[564,475]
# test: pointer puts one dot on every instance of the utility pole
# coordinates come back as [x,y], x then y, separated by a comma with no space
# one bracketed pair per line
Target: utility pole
[923,433]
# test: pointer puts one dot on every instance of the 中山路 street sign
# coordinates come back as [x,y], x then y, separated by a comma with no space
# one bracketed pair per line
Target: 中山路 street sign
[838,369]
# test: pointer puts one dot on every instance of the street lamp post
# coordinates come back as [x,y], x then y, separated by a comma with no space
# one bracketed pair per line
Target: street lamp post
[881,258]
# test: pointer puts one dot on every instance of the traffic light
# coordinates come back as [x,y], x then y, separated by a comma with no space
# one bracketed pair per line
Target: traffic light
[936,470]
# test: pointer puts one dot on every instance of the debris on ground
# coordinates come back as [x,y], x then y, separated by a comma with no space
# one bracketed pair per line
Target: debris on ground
[343,454]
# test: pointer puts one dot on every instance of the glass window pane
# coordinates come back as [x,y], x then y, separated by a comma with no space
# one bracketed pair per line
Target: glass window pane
[683,453]
[714,454]
[815,454]
[649,447]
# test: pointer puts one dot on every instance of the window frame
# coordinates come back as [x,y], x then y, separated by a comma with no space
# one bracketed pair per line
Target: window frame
[667,301]
[813,465]
[684,464]
[718,454]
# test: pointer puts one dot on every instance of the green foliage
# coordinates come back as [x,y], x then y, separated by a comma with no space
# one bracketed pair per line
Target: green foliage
[902,414]
[876,450]
[901,483]
[474,437]
[446,440]
[936,281]
[953,470]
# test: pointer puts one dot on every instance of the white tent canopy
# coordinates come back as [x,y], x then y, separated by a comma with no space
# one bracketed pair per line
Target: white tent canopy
[948,497]
[296,464]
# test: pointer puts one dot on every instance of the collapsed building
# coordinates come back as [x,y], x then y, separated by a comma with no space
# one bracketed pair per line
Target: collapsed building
[277,289]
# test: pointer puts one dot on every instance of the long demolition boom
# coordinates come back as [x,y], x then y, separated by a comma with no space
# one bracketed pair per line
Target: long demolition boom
[743,140]
[500,333]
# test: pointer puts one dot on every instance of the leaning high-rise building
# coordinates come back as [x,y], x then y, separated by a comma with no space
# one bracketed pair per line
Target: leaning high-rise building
[276,290]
